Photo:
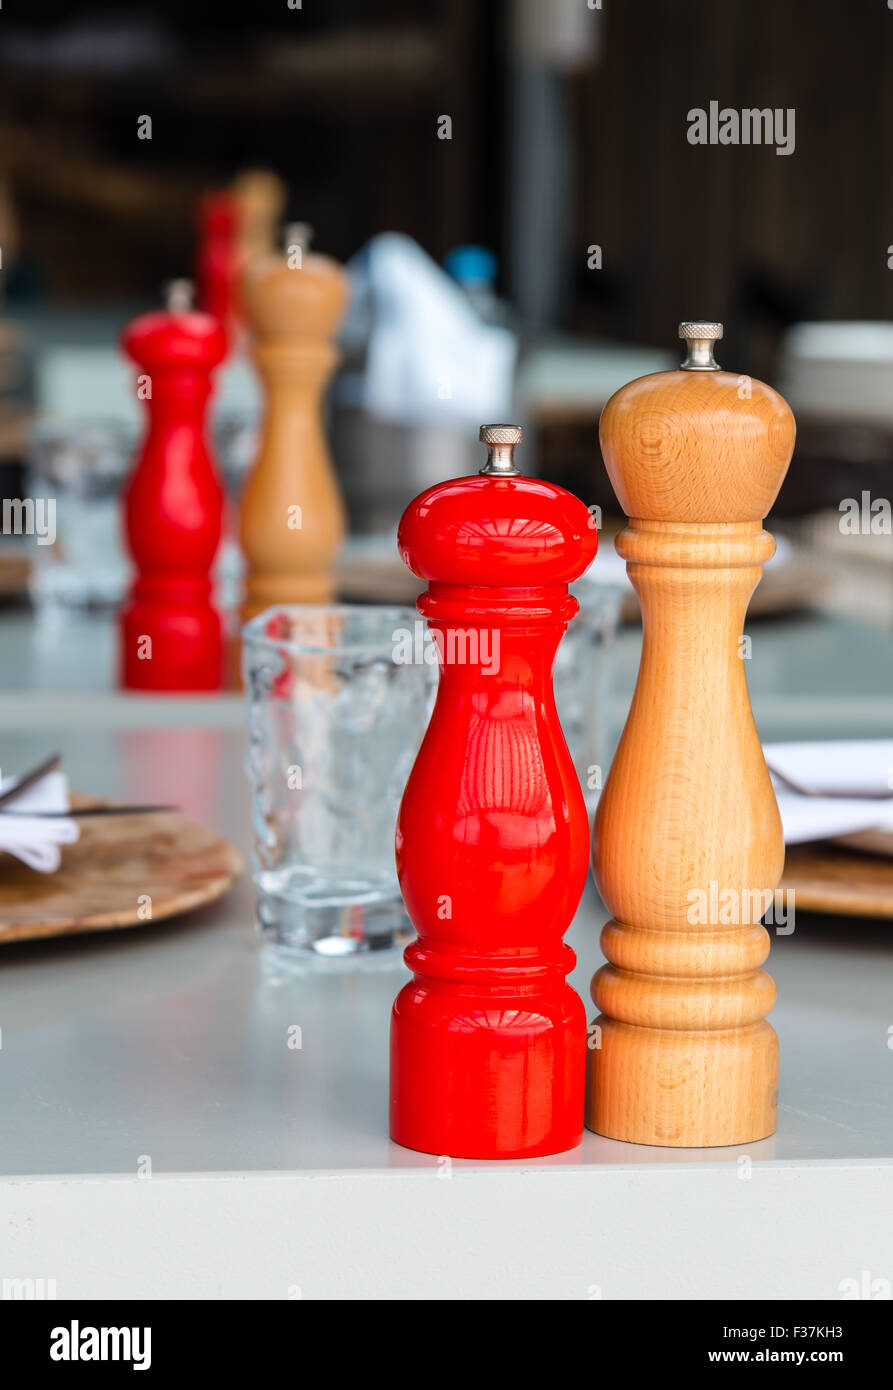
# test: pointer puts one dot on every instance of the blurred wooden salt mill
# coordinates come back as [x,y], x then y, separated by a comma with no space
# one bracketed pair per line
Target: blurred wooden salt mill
[236,226]
[260,197]
[687,843]
[292,518]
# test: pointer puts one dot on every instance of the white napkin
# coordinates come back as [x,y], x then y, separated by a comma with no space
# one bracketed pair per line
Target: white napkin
[34,839]
[860,764]
[430,359]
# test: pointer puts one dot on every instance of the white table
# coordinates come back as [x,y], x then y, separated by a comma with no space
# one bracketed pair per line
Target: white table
[272,1174]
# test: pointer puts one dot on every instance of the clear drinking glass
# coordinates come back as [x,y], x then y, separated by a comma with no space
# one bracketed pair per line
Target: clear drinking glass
[234,437]
[335,722]
[583,675]
[80,467]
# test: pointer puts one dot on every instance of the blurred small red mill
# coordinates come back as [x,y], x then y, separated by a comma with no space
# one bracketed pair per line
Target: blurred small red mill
[170,635]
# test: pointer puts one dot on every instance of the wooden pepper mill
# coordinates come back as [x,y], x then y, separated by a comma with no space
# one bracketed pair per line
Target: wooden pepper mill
[260,197]
[173,506]
[682,1054]
[292,517]
[488,1040]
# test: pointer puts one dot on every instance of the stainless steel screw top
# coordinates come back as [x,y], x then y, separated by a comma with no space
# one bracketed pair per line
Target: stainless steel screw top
[699,337]
[298,234]
[179,296]
[500,441]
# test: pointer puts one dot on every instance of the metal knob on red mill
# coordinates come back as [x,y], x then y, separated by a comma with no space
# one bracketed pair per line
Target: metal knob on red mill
[488,1040]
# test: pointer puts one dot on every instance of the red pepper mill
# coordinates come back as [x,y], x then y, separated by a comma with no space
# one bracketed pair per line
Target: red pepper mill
[488,1041]
[687,845]
[173,506]
[217,263]
[292,517]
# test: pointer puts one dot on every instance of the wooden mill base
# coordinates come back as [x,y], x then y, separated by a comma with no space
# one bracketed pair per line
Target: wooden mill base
[681,1089]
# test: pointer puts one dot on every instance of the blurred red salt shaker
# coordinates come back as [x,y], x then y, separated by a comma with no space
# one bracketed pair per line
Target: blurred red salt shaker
[488,1040]
[218,262]
[170,634]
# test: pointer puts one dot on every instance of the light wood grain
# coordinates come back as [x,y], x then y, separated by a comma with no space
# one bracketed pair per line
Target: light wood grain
[105,877]
[681,1053]
[293,313]
[260,198]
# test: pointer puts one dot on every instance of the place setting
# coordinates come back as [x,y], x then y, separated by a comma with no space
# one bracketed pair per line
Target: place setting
[446,697]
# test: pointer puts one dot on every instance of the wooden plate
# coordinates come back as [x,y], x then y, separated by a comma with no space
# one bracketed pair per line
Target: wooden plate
[13,575]
[827,879]
[105,879]
[379,580]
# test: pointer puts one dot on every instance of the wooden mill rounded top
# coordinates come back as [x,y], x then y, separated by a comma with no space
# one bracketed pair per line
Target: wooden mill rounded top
[298,294]
[698,444]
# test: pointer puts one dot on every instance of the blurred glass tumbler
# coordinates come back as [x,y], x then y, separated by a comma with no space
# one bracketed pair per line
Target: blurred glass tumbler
[81,465]
[336,715]
[583,677]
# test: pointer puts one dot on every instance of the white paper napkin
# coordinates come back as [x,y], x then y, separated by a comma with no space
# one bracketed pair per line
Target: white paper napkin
[834,767]
[429,357]
[34,839]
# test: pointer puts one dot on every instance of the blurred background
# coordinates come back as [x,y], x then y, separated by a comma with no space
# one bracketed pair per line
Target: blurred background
[562,202]
[522,222]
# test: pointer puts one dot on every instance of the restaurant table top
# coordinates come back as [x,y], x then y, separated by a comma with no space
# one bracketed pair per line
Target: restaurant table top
[271,1167]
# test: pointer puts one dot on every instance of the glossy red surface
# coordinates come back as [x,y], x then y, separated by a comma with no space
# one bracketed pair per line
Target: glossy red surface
[173,509]
[217,267]
[488,1041]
